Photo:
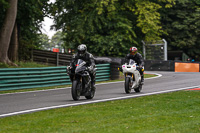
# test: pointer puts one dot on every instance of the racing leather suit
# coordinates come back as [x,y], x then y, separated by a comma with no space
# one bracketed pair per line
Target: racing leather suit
[89,59]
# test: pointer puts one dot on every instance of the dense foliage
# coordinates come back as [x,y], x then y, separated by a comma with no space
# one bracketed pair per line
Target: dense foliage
[108,27]
[3,6]
[57,40]
[44,42]
[30,15]
[182,23]
[29,20]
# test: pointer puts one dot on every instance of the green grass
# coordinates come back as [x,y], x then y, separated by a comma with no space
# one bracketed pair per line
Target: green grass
[22,64]
[177,112]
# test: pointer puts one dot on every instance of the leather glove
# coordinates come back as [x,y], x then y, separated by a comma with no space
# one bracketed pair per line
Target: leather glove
[120,69]
[90,68]
[141,68]
[69,67]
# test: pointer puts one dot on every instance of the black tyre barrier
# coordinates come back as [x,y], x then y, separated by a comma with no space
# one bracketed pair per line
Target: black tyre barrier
[153,65]
[114,72]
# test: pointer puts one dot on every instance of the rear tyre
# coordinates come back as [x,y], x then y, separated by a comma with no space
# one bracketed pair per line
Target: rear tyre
[127,85]
[139,88]
[92,93]
[76,90]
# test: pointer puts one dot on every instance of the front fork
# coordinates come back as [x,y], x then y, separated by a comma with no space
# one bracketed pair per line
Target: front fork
[132,79]
[79,79]
[130,75]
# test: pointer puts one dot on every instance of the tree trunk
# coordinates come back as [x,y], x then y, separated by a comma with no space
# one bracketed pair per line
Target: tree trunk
[6,31]
[13,48]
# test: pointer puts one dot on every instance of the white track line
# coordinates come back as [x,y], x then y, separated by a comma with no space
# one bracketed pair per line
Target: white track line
[95,101]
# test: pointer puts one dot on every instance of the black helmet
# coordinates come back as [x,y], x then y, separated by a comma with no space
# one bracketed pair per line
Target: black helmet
[82,49]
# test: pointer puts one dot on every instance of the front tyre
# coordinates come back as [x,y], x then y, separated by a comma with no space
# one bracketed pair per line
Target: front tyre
[127,85]
[76,90]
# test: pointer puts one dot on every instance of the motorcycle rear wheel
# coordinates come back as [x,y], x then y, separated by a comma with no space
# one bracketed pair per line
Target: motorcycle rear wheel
[76,90]
[127,85]
[92,93]
[139,88]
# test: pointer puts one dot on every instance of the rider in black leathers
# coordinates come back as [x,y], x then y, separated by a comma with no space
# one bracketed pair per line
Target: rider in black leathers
[88,58]
[137,57]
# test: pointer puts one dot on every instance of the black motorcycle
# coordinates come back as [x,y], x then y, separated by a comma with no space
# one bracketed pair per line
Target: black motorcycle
[81,81]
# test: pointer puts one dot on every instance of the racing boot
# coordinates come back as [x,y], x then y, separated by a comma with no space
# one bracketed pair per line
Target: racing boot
[142,79]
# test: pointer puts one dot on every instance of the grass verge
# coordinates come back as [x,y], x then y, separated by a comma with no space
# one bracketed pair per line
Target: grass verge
[22,64]
[176,112]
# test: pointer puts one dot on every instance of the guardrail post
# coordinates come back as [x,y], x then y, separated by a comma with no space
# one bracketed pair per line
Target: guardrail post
[32,55]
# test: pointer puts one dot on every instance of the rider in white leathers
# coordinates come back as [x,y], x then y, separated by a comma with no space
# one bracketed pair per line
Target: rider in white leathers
[137,57]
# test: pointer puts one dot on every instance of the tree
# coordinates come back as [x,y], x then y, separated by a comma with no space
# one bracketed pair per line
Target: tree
[108,27]
[30,16]
[7,30]
[182,24]
[28,19]
[57,40]
[44,42]
[14,45]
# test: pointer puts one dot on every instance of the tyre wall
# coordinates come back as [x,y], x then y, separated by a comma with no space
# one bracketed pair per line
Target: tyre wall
[153,65]
[114,72]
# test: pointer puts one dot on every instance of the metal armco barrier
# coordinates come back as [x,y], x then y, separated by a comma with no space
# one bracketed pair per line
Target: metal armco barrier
[25,78]
[103,72]
[154,65]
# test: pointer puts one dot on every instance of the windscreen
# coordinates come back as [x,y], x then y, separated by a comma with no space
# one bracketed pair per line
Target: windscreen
[80,65]
[131,62]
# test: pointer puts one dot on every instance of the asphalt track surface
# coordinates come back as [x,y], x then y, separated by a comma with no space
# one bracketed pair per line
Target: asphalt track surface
[27,102]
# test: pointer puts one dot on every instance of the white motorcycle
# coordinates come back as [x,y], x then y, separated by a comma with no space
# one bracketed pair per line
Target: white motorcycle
[132,76]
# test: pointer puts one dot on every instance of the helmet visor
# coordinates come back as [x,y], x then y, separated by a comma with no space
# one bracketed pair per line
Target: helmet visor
[81,52]
[133,52]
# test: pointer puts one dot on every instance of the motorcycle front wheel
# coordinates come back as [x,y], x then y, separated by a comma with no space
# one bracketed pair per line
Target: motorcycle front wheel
[76,90]
[127,85]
